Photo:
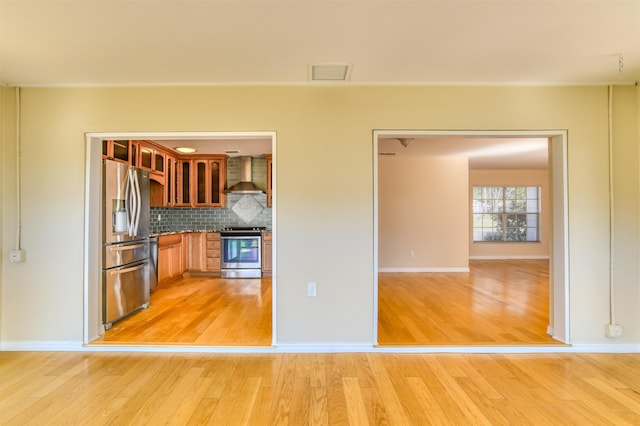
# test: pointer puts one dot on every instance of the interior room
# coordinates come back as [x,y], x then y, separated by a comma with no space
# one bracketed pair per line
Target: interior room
[452,286]
[351,325]
[209,202]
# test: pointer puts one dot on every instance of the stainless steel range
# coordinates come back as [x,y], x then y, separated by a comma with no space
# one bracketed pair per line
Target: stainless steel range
[241,249]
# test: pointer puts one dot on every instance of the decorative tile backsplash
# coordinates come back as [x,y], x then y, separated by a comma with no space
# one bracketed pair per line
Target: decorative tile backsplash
[247,208]
[241,210]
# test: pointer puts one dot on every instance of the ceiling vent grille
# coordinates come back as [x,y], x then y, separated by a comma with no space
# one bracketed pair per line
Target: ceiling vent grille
[329,72]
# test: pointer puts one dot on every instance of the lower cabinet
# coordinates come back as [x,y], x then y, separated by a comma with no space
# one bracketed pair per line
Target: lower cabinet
[212,252]
[170,257]
[194,251]
[200,254]
[267,258]
[203,252]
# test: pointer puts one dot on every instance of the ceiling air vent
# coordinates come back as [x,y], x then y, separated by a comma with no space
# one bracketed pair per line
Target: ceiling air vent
[329,72]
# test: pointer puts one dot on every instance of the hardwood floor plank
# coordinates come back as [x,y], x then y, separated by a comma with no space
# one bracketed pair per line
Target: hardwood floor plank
[461,389]
[318,407]
[355,404]
[499,302]
[200,311]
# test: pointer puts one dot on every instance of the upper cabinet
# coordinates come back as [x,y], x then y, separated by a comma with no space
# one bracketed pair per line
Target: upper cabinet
[177,180]
[151,157]
[183,182]
[118,150]
[171,182]
[208,176]
[269,178]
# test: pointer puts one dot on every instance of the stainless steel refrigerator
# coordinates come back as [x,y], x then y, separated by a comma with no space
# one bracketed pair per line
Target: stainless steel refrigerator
[129,252]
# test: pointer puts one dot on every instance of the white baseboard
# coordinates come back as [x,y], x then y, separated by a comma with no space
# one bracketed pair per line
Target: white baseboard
[37,346]
[321,348]
[325,347]
[423,269]
[508,257]
[608,348]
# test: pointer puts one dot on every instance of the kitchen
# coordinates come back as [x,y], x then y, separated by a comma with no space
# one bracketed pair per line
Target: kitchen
[210,210]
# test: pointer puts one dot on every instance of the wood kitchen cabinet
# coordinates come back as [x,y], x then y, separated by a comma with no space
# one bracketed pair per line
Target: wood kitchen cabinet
[269,178]
[152,158]
[170,257]
[183,178]
[212,252]
[200,181]
[170,182]
[208,181]
[118,150]
[194,244]
[203,252]
[267,249]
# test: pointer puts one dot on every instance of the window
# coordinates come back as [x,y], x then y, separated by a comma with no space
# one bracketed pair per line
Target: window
[506,213]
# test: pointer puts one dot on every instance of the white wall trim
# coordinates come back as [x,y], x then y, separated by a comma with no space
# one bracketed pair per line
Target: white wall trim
[325,347]
[39,346]
[559,275]
[540,257]
[423,270]
[607,348]
[91,270]
[36,346]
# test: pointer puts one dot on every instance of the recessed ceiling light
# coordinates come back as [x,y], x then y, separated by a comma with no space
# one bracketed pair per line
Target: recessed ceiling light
[329,72]
[185,149]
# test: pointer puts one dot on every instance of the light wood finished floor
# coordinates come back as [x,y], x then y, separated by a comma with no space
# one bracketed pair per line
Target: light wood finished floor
[38,388]
[200,311]
[500,302]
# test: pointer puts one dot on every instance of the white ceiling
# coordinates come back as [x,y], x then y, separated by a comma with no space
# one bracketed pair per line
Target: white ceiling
[132,42]
[254,146]
[189,42]
[483,152]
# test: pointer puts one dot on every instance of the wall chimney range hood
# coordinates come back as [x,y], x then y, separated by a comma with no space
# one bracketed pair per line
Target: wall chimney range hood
[245,186]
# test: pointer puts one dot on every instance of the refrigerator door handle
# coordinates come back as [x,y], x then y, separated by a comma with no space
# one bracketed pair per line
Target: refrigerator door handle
[136,185]
[133,189]
[130,269]
[130,200]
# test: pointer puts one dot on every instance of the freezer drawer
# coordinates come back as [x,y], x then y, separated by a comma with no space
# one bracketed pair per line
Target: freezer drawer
[126,289]
[125,253]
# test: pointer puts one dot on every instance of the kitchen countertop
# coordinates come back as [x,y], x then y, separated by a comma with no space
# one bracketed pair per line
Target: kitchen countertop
[186,231]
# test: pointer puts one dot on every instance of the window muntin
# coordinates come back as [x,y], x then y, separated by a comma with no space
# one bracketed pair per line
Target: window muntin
[506,213]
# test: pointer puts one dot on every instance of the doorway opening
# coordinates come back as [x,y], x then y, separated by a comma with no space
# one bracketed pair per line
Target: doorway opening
[455,151]
[259,145]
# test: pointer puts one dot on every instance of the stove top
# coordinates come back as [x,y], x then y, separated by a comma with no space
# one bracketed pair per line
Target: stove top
[243,228]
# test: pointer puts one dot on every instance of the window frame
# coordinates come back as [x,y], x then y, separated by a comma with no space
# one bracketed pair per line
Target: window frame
[506,213]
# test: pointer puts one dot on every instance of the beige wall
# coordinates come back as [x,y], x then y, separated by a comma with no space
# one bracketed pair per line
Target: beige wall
[513,250]
[423,208]
[324,142]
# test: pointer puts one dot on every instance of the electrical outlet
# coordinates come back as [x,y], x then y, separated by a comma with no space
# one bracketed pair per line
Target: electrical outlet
[613,330]
[312,289]
[159,217]
[411,254]
[16,256]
